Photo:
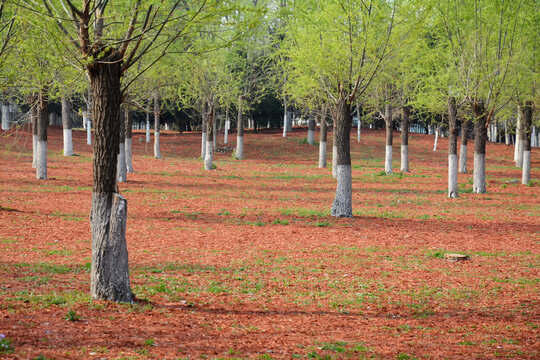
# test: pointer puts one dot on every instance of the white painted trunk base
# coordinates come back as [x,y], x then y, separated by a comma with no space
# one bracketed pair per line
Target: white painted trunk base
[209,155]
[68,142]
[147,130]
[121,170]
[526,169]
[519,161]
[88,130]
[479,174]
[342,206]
[322,154]
[463,159]
[226,136]
[334,161]
[34,151]
[453,176]
[436,140]
[534,137]
[284,125]
[239,154]
[516,147]
[358,131]
[129,156]
[388,160]
[404,158]
[5,117]
[311,137]
[41,160]
[204,137]
[157,152]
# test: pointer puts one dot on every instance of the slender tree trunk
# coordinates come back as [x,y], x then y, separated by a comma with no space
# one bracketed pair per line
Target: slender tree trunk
[506,133]
[121,162]
[311,131]
[342,206]
[285,116]
[480,135]
[67,125]
[437,130]
[214,129]
[334,149]
[405,139]
[129,140]
[526,140]
[240,132]
[209,155]
[6,115]
[465,128]
[157,110]
[359,124]
[35,115]
[452,149]
[518,149]
[148,123]
[109,279]
[42,123]
[389,138]
[227,126]
[204,131]
[322,142]
[87,119]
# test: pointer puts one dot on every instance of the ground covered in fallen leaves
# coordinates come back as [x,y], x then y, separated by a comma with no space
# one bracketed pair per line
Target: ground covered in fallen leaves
[245,261]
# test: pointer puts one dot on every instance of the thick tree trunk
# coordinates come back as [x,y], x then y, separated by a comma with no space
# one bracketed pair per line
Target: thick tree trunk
[526,140]
[342,206]
[405,139]
[129,140]
[452,149]
[109,278]
[389,139]
[157,108]
[209,155]
[227,126]
[240,132]
[42,123]
[121,162]
[480,134]
[311,131]
[6,116]
[35,114]
[465,128]
[322,143]
[67,125]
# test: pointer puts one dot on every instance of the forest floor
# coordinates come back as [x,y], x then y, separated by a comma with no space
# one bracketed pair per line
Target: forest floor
[246,262]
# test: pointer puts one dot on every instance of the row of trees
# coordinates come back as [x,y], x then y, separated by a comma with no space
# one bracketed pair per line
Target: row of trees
[463,63]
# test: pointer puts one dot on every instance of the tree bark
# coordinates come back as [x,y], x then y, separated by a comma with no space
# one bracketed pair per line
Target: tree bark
[227,126]
[480,134]
[518,149]
[209,155]
[67,125]
[157,110]
[148,123]
[240,132]
[129,140]
[437,131]
[526,140]
[334,148]
[285,116]
[6,115]
[322,142]
[359,124]
[311,131]
[389,139]
[109,279]
[405,139]
[465,129]
[342,206]
[42,123]
[452,149]
[204,130]
[35,114]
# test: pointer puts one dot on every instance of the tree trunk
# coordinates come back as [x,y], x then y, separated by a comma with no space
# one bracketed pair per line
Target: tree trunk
[240,132]
[157,108]
[322,142]
[209,155]
[452,149]
[311,131]
[148,124]
[342,206]
[359,123]
[67,125]
[480,134]
[6,115]
[506,133]
[214,129]
[334,148]
[42,123]
[389,138]
[129,140]
[437,130]
[285,116]
[518,149]
[227,126]
[405,139]
[121,162]
[465,128]
[204,131]
[526,140]
[109,279]
[35,114]
[87,119]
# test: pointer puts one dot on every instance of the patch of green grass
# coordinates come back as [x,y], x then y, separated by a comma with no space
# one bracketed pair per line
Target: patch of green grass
[71,315]
[303,212]
[323,224]
[6,345]
[280,222]
[45,300]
